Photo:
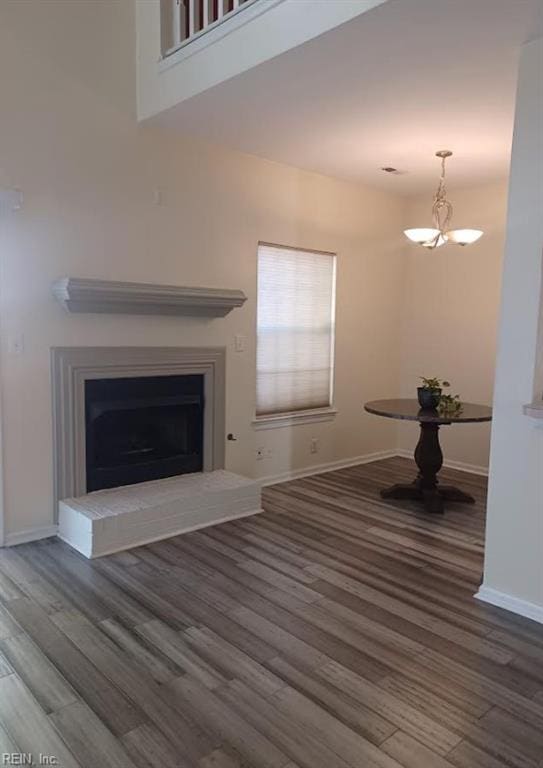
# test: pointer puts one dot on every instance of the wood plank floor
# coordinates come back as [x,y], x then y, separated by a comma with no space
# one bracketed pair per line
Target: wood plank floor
[333,630]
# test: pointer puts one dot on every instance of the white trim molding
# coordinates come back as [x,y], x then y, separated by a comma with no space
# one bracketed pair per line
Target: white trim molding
[462,466]
[291,419]
[317,469]
[510,603]
[30,534]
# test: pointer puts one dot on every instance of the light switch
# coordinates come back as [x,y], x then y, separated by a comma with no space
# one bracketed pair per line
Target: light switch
[17,344]
[239,342]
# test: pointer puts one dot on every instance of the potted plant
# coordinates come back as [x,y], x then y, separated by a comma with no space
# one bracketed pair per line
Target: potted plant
[450,405]
[429,394]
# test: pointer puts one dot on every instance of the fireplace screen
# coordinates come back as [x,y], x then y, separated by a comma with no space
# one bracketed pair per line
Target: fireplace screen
[140,429]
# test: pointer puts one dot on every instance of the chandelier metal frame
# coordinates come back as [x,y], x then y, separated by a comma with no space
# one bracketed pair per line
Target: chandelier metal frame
[442,211]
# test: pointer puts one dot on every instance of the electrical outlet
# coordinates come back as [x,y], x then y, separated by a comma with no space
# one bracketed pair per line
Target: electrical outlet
[314,445]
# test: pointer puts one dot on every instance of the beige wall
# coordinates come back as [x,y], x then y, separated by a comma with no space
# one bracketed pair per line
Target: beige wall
[514,545]
[69,140]
[450,312]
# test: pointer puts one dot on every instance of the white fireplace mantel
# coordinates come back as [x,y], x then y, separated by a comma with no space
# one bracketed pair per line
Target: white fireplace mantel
[78,294]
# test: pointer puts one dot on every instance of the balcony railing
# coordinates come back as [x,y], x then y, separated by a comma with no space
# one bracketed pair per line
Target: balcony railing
[182,21]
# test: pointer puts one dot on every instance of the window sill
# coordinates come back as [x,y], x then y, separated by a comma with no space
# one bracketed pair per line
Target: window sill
[291,419]
[535,410]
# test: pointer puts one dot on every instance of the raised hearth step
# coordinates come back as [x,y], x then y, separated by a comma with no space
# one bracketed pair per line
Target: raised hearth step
[110,520]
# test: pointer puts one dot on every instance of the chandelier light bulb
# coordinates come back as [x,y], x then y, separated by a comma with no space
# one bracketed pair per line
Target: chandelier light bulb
[442,210]
[429,238]
[421,235]
[464,236]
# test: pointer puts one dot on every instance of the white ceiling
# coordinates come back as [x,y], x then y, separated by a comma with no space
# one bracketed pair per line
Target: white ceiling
[386,89]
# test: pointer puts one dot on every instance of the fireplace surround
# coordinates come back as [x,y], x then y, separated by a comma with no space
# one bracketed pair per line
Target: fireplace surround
[161,384]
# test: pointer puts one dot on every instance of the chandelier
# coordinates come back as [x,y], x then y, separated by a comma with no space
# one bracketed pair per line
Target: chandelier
[442,210]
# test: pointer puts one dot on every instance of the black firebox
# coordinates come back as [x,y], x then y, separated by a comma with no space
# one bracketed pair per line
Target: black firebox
[144,428]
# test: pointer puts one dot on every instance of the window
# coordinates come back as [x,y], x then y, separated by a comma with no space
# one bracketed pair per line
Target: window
[295,330]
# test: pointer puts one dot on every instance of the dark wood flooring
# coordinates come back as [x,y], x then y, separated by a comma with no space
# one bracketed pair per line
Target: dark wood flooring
[334,630]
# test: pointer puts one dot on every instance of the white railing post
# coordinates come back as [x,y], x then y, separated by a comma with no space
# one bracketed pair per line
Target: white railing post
[176,22]
[182,20]
[192,16]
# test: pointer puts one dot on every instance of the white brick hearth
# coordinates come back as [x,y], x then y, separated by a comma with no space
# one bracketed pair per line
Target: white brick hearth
[111,520]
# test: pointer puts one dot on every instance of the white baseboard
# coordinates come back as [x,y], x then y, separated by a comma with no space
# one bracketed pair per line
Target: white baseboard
[510,603]
[34,534]
[30,534]
[317,469]
[473,469]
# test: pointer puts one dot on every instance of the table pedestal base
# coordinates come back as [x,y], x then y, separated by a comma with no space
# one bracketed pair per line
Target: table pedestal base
[425,488]
[432,498]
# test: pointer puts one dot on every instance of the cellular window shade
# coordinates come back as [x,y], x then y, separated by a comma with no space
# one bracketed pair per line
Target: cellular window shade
[295,330]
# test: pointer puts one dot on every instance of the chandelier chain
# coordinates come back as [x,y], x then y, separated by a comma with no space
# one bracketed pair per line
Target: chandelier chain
[442,208]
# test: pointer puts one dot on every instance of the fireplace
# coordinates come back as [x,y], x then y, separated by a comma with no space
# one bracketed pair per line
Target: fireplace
[139,443]
[142,428]
[128,415]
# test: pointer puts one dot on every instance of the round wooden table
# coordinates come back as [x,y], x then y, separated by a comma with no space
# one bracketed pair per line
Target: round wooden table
[428,455]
